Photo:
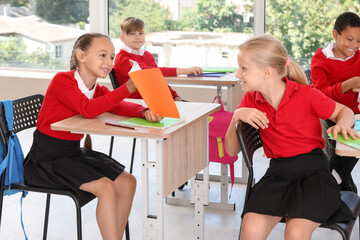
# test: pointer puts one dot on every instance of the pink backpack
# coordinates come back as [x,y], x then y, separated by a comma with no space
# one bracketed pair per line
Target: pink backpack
[218,124]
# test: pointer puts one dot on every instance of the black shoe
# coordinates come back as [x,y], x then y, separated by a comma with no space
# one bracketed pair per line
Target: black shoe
[348,186]
[182,186]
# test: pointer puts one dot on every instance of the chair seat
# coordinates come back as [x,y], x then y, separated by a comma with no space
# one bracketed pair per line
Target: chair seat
[81,196]
[352,200]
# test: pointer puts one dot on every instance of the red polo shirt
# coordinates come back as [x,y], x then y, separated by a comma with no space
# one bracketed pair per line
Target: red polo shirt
[294,128]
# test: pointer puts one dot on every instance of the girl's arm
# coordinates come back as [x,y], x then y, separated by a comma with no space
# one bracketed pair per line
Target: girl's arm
[252,116]
[344,119]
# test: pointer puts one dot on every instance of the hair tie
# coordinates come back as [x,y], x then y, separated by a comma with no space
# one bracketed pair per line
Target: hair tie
[288,60]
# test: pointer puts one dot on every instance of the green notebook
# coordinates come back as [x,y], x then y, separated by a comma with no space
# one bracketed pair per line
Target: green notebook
[351,142]
[141,122]
[219,69]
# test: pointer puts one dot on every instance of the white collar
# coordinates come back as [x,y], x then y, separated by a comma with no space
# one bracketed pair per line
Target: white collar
[328,52]
[133,51]
[88,93]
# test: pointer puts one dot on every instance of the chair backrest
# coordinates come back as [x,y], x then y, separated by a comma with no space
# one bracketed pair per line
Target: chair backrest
[26,111]
[113,79]
[250,141]
[308,75]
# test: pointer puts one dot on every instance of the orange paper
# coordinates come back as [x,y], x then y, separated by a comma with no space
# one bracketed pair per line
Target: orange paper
[153,88]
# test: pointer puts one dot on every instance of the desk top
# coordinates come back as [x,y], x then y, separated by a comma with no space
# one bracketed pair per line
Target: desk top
[190,111]
[345,150]
[226,80]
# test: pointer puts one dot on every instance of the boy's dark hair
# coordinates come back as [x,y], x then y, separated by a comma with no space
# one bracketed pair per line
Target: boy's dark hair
[346,19]
[131,24]
[83,43]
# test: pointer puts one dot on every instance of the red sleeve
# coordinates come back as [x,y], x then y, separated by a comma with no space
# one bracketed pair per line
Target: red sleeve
[322,105]
[122,108]
[66,90]
[319,77]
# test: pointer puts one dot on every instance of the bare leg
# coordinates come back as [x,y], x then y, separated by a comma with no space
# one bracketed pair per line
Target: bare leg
[125,189]
[299,229]
[106,210]
[256,226]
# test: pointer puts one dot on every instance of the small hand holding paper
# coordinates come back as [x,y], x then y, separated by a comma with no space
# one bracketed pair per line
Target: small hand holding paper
[149,115]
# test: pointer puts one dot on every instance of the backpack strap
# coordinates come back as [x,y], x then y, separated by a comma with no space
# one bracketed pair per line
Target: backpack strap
[9,120]
[9,115]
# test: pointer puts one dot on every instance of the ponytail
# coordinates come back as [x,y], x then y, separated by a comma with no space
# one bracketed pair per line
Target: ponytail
[295,73]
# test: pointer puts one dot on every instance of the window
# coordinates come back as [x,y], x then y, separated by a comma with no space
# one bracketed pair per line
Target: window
[40,33]
[304,26]
[184,33]
[58,51]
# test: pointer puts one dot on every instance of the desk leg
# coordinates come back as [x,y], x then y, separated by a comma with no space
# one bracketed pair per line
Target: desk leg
[153,225]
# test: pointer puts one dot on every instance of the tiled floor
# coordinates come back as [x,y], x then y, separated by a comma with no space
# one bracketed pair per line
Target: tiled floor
[179,220]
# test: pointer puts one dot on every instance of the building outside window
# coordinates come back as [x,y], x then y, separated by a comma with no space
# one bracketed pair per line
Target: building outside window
[185,33]
[40,33]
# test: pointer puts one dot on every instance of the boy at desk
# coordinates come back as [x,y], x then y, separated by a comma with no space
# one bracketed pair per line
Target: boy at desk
[335,70]
[133,36]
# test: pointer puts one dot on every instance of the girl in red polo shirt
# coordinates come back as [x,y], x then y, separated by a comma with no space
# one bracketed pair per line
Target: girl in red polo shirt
[298,184]
[56,159]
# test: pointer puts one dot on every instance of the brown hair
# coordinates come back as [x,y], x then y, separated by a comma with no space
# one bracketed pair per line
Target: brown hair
[131,24]
[268,51]
[83,43]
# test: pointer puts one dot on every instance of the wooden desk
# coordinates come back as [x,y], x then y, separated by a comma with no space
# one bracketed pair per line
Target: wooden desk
[228,80]
[233,100]
[181,152]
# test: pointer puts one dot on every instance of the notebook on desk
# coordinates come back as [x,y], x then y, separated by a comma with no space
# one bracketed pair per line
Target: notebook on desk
[141,122]
[209,74]
[351,142]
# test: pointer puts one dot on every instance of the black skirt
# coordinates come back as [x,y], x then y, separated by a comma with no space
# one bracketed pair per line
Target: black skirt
[299,187]
[62,164]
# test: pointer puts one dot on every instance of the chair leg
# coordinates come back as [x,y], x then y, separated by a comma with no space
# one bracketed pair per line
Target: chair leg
[111,145]
[47,210]
[132,155]
[2,189]
[127,232]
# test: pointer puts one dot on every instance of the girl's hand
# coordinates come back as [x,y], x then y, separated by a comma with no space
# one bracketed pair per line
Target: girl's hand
[252,116]
[151,117]
[193,70]
[344,130]
[130,86]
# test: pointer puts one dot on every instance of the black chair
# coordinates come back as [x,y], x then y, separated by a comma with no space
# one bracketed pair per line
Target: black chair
[250,141]
[25,116]
[115,85]
[308,75]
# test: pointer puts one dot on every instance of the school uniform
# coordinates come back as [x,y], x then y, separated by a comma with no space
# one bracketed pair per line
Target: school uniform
[298,182]
[55,158]
[327,74]
[145,60]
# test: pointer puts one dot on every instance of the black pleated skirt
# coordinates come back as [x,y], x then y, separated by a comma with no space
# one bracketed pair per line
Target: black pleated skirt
[62,164]
[299,187]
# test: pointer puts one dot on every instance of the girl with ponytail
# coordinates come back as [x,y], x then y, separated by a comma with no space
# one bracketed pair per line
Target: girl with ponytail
[298,185]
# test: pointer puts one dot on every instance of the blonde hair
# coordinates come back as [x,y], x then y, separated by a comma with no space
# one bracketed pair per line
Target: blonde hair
[267,51]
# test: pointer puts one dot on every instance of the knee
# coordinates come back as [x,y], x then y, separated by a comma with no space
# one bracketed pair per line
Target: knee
[107,187]
[250,231]
[126,184]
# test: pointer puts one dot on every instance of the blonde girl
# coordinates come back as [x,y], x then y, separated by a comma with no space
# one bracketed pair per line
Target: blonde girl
[297,185]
